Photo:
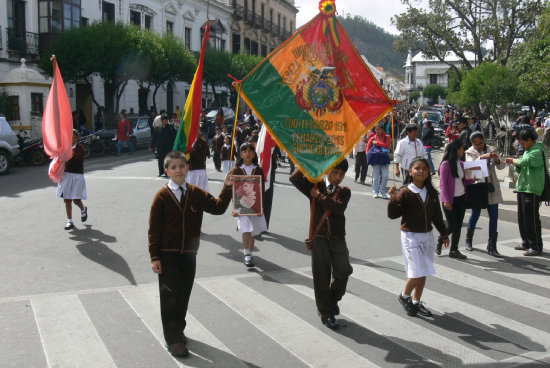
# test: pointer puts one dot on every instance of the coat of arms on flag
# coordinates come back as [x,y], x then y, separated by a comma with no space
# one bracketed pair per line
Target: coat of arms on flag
[316,95]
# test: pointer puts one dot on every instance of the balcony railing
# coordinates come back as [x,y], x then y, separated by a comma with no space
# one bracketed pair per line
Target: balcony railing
[268,26]
[23,42]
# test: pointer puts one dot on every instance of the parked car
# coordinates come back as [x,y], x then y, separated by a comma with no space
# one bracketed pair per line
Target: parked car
[9,146]
[140,137]
[208,124]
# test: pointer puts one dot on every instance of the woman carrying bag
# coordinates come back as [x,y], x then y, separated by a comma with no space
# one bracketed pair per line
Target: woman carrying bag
[378,157]
[480,151]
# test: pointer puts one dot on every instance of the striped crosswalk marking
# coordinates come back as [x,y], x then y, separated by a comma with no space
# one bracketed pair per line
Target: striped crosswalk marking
[68,335]
[446,304]
[144,299]
[284,327]
[537,303]
[377,320]
[540,278]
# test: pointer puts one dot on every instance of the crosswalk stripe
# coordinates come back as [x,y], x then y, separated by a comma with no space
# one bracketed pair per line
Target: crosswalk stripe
[144,300]
[377,319]
[540,278]
[68,335]
[520,297]
[284,327]
[445,304]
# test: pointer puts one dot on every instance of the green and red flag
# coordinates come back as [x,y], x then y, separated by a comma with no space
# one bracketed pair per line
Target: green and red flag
[190,121]
[316,95]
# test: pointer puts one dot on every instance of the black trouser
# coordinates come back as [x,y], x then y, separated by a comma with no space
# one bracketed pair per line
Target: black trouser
[454,220]
[331,270]
[529,221]
[268,203]
[161,156]
[361,167]
[217,160]
[175,284]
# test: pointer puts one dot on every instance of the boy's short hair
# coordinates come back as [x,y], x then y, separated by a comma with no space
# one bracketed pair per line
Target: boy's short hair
[411,127]
[174,155]
[343,166]
[164,117]
[527,134]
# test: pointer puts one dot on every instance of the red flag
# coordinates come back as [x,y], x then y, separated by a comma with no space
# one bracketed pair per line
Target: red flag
[57,126]
[264,150]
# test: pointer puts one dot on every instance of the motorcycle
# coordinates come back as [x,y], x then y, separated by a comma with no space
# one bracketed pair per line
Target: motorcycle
[93,145]
[30,150]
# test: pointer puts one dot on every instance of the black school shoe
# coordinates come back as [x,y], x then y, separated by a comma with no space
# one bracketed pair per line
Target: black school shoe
[84,214]
[330,322]
[69,226]
[249,262]
[456,254]
[421,309]
[407,305]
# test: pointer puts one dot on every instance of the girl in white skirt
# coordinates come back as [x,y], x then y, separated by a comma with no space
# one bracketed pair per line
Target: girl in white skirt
[249,226]
[417,204]
[225,153]
[72,187]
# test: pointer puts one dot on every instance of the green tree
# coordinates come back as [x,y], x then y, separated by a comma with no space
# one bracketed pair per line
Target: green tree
[433,91]
[241,64]
[466,25]
[108,49]
[414,96]
[217,64]
[531,62]
[489,84]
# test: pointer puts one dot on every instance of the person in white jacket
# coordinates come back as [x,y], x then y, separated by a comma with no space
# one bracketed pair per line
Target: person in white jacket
[408,149]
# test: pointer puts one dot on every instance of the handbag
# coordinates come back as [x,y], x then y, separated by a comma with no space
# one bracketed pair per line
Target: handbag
[376,156]
[477,195]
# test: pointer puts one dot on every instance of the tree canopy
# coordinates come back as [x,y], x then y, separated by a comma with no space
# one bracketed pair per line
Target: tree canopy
[531,62]
[466,25]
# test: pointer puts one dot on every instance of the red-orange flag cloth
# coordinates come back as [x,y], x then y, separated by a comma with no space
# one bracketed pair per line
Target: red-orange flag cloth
[57,126]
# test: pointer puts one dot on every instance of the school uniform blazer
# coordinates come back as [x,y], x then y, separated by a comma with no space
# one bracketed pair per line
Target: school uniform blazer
[197,156]
[416,215]
[175,227]
[335,225]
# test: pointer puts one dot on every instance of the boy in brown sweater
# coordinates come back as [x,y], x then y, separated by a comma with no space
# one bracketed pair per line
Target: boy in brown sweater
[174,235]
[329,253]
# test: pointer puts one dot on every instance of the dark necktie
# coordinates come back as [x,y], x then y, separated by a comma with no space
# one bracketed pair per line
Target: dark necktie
[182,195]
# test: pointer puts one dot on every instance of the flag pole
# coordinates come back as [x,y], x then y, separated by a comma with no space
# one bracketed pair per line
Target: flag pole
[393,141]
[234,129]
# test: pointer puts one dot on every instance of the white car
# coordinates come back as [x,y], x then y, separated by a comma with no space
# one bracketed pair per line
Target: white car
[9,146]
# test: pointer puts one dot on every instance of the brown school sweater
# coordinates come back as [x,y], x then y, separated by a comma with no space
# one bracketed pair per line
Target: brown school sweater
[197,156]
[335,225]
[176,229]
[417,216]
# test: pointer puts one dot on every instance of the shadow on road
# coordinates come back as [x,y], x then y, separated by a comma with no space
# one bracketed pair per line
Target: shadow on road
[206,356]
[91,244]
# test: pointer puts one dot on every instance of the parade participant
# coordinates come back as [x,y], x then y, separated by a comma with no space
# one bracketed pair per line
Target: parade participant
[482,151]
[417,204]
[379,160]
[217,144]
[452,132]
[174,235]
[219,118]
[197,163]
[453,194]
[225,153]
[249,225]
[407,149]
[329,253]
[163,141]
[531,168]
[72,187]
[124,130]
[361,167]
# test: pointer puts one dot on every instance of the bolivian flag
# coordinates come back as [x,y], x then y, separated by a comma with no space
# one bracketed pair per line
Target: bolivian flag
[316,95]
[190,121]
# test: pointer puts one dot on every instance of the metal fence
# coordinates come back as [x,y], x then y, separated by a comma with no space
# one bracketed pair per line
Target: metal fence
[23,42]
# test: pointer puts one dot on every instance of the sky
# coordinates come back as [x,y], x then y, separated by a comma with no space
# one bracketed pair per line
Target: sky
[377,11]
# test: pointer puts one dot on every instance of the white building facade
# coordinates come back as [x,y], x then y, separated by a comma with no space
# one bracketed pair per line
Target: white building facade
[27,27]
[421,71]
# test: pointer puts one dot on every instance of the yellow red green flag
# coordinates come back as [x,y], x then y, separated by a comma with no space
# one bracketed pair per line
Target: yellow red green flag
[316,95]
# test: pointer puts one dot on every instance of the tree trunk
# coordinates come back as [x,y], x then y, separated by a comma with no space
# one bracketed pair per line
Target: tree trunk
[119,91]
[93,96]
[157,86]
[109,90]
[215,95]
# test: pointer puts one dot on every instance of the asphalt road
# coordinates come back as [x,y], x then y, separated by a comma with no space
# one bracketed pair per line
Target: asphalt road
[88,298]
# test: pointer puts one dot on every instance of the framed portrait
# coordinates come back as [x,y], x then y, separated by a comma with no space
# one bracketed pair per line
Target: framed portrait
[247,195]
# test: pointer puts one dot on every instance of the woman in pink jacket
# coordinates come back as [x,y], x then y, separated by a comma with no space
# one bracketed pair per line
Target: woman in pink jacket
[453,184]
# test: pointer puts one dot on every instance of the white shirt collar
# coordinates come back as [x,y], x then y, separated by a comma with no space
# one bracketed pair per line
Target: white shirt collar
[175,187]
[416,189]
